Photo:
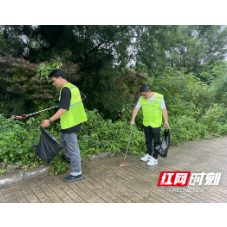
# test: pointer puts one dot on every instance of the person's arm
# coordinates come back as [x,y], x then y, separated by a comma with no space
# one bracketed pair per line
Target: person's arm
[56,116]
[165,115]
[164,112]
[62,108]
[135,112]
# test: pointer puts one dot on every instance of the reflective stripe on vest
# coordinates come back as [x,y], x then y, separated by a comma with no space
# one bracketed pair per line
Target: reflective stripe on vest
[75,103]
[152,113]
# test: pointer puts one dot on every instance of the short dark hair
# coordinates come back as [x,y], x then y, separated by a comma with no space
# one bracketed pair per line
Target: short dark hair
[145,88]
[57,72]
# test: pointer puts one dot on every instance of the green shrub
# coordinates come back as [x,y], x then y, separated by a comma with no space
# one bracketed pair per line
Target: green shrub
[58,165]
[127,115]
[215,119]
[16,142]
[108,136]
[185,128]
[98,135]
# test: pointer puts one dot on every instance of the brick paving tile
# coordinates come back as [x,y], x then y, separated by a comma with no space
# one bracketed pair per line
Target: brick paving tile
[21,198]
[64,192]
[158,194]
[156,190]
[2,199]
[99,186]
[88,184]
[106,182]
[30,196]
[112,188]
[39,193]
[215,196]
[204,196]
[130,186]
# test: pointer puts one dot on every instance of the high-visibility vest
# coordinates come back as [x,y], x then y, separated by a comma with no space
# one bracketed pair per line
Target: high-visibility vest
[152,113]
[76,113]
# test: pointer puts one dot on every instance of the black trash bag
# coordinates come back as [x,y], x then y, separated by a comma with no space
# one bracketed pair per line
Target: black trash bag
[163,148]
[48,146]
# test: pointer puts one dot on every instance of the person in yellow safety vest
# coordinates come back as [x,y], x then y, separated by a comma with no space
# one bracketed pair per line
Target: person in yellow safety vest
[71,113]
[153,107]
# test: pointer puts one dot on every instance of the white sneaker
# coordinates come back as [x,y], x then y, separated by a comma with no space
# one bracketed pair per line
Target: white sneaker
[153,162]
[147,157]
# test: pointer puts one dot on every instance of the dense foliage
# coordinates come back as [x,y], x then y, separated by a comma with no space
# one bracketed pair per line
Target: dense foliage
[109,64]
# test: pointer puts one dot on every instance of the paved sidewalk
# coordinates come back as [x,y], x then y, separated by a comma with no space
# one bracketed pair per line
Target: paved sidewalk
[106,182]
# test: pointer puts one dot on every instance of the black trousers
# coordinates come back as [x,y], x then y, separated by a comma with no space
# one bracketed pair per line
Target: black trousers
[152,134]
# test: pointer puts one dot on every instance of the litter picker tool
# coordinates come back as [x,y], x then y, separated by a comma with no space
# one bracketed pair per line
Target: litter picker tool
[28,115]
[123,164]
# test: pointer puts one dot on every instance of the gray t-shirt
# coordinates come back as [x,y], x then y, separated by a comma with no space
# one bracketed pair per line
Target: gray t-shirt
[163,105]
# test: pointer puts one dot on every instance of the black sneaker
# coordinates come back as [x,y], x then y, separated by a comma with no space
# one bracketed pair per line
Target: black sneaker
[64,158]
[71,178]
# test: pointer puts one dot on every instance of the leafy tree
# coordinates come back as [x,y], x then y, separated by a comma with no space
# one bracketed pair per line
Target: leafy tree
[3,45]
[196,47]
[152,44]
[219,84]
[28,83]
[101,54]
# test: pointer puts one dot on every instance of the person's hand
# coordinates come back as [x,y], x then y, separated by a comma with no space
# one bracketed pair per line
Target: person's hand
[166,125]
[132,122]
[45,124]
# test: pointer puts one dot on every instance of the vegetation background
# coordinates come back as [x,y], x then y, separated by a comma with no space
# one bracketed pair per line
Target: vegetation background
[185,63]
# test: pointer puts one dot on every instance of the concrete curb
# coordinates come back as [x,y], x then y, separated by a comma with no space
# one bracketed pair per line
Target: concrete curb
[9,180]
